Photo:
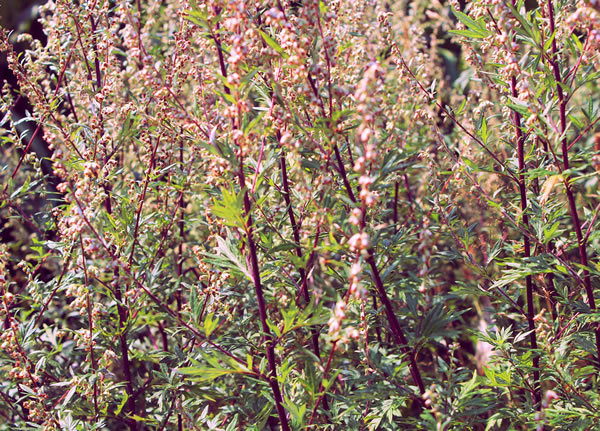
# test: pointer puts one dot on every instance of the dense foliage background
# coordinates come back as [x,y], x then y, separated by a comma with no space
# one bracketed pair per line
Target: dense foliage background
[301,215]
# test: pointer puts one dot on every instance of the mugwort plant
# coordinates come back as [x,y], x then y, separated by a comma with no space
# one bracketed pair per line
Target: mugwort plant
[291,215]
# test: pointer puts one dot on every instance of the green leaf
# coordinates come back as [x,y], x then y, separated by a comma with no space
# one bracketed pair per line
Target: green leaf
[209,324]
[468,33]
[519,107]
[23,189]
[462,107]
[248,127]
[494,251]
[229,208]
[217,366]
[322,8]
[204,373]
[476,27]
[194,303]
[122,403]
[548,42]
[273,44]
[551,233]
[233,255]
[470,164]
[233,424]
[197,16]
[525,25]
[70,395]
[274,327]
[483,130]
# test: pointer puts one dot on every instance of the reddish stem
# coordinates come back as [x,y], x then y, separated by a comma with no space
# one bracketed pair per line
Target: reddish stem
[581,243]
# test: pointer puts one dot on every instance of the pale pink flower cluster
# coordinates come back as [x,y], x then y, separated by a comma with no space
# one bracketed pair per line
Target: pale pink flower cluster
[367,98]
[356,289]
[586,18]
[355,216]
[335,322]
[23,369]
[335,325]
[359,242]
